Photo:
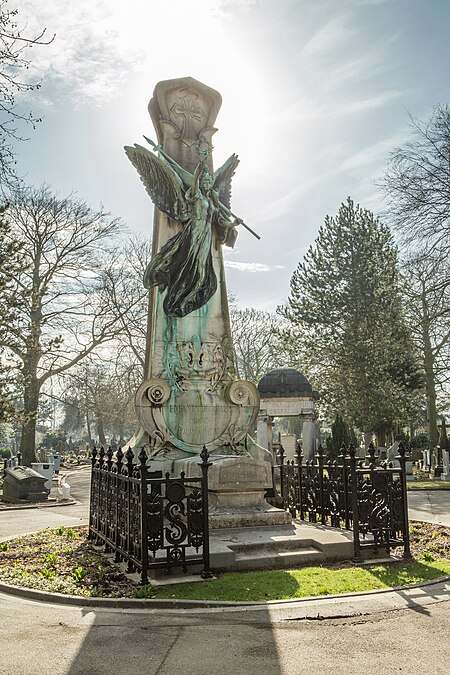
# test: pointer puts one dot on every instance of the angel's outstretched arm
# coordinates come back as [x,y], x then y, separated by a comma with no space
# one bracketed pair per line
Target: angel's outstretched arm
[195,187]
[185,176]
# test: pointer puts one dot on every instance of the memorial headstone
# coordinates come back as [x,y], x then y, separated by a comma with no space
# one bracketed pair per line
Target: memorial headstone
[446,466]
[22,484]
[191,396]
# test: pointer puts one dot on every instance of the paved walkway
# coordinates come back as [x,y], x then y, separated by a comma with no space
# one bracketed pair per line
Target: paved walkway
[376,632]
[432,506]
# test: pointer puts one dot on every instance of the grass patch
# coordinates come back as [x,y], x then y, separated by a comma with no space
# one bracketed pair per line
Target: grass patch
[301,583]
[63,560]
[428,485]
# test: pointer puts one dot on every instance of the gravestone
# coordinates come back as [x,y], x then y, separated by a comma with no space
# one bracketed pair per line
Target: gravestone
[191,395]
[446,466]
[22,484]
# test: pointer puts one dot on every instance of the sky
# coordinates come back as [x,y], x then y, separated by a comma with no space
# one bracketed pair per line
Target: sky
[316,94]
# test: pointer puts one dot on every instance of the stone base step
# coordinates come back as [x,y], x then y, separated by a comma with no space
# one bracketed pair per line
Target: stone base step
[273,559]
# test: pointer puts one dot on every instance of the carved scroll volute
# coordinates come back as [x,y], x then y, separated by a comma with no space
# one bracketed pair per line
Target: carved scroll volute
[183,111]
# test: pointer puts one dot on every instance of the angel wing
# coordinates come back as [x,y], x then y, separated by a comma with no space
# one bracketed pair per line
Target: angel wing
[222,179]
[161,182]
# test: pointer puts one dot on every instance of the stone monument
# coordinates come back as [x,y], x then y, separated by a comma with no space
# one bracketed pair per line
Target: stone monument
[190,396]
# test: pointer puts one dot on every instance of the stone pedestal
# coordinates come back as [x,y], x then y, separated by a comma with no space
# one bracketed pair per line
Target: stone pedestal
[236,488]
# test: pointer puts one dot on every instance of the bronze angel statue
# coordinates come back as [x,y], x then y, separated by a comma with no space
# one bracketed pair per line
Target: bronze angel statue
[200,202]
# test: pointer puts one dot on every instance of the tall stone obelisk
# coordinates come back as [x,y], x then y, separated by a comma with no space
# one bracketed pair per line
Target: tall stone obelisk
[190,395]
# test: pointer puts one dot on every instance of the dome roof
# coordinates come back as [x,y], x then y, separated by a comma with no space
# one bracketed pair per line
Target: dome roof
[285,383]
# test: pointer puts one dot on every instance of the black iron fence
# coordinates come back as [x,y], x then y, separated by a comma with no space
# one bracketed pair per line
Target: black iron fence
[146,519]
[368,499]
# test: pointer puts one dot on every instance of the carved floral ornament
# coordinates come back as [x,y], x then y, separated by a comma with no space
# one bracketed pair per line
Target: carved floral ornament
[154,395]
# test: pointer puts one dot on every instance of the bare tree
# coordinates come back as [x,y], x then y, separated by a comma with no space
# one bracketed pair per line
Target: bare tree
[124,287]
[427,293]
[417,184]
[103,402]
[14,43]
[63,313]
[255,342]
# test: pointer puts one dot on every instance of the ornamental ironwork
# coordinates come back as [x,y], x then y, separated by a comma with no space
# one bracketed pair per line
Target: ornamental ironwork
[368,499]
[148,520]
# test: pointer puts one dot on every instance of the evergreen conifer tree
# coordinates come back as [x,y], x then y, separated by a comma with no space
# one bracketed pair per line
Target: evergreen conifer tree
[346,323]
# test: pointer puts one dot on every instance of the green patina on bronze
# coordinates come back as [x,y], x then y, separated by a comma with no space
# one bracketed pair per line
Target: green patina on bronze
[183,266]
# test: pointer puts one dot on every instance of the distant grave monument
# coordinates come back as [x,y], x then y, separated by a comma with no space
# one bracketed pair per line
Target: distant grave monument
[191,396]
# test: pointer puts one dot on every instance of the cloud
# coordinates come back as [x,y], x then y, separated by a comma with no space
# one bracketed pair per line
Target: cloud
[99,44]
[309,111]
[376,152]
[251,266]
[334,34]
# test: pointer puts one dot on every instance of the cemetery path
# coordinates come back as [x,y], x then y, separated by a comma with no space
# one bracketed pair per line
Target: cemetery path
[377,633]
[25,521]
[342,636]
[432,506]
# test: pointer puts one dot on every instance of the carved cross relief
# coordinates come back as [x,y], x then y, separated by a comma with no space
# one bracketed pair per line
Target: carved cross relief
[190,112]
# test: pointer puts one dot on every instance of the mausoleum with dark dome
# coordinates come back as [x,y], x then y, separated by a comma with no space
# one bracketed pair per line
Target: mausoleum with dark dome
[285,383]
[285,392]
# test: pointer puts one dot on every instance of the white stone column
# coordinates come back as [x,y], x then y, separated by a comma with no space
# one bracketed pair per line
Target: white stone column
[309,437]
[262,432]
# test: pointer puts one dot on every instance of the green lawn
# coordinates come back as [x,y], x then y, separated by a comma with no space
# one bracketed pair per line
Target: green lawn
[304,582]
[428,485]
[63,560]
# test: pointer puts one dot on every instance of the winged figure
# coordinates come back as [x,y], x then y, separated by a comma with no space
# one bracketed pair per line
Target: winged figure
[201,202]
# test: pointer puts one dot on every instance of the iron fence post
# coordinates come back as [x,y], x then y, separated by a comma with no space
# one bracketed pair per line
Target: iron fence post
[119,458]
[91,496]
[357,557]
[299,478]
[406,542]
[281,455]
[143,517]
[321,495]
[109,463]
[205,464]
[129,455]
[344,458]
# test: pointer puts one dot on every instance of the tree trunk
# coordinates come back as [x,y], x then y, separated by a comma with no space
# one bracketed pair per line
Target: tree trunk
[367,436]
[101,431]
[28,440]
[430,385]
[381,438]
[32,384]
[88,428]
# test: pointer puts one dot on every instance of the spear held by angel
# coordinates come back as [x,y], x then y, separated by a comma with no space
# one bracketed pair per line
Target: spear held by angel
[200,202]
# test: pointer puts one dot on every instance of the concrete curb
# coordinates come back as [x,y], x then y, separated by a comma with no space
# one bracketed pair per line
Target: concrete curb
[37,505]
[148,603]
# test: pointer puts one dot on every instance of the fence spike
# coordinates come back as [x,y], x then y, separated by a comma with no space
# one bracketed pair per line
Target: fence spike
[204,455]
[143,456]
[119,455]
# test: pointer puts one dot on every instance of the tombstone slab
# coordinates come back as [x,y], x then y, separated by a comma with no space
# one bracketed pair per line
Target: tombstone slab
[22,484]
[236,488]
